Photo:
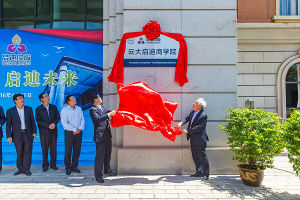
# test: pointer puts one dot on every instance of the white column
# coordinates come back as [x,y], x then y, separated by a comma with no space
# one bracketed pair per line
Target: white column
[52,94]
[60,92]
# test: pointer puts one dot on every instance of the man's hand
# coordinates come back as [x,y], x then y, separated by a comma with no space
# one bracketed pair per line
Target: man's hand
[52,126]
[184,131]
[9,139]
[112,113]
[77,132]
[34,135]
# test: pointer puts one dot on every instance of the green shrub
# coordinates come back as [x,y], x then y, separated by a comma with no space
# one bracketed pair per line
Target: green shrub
[254,136]
[292,139]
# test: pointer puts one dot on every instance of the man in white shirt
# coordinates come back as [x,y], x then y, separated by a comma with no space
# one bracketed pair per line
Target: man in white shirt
[21,129]
[73,122]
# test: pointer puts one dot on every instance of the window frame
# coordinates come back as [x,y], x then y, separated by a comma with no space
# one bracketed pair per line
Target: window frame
[296,83]
[281,83]
[279,18]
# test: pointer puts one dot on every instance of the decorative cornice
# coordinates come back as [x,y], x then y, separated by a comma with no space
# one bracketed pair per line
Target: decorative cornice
[268,32]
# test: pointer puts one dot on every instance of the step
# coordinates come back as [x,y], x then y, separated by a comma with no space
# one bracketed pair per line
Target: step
[87,155]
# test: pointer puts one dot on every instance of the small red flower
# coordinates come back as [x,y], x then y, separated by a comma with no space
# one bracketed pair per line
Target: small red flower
[152,30]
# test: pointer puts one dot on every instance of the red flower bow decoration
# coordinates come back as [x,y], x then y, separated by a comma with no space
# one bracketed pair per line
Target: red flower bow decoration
[152,30]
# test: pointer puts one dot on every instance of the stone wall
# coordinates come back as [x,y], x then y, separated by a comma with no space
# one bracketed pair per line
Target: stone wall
[209,27]
[262,48]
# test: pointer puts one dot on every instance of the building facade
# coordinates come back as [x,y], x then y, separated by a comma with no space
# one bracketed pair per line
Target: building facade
[209,28]
[237,50]
[268,54]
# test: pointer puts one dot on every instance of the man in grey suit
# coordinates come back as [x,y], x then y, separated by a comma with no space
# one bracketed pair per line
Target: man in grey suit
[102,136]
[2,121]
[196,133]
[21,129]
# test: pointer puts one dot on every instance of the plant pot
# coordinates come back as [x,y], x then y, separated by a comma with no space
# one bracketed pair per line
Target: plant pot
[251,177]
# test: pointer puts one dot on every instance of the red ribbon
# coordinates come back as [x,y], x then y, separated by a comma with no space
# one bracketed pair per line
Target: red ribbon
[117,71]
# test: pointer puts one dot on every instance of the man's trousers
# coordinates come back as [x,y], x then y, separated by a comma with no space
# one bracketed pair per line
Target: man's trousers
[72,146]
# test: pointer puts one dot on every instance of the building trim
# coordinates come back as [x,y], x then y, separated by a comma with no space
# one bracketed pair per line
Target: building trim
[291,19]
[268,33]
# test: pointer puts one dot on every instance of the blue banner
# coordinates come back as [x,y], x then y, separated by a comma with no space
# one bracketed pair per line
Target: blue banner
[32,63]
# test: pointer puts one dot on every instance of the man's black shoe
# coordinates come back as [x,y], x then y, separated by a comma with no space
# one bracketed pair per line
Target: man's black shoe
[68,171]
[54,168]
[111,173]
[100,179]
[28,173]
[76,170]
[205,178]
[196,175]
[18,173]
[45,169]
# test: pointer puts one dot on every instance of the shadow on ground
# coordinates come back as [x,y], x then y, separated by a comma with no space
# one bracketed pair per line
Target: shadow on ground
[234,186]
[231,185]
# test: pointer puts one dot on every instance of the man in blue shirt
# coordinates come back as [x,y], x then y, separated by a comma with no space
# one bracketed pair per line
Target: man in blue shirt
[73,122]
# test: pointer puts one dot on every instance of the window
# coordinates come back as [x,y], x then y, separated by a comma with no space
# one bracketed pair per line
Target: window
[69,9]
[287,11]
[51,14]
[292,88]
[288,86]
[289,7]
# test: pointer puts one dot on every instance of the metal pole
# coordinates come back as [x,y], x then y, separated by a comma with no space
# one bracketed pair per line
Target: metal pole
[249,104]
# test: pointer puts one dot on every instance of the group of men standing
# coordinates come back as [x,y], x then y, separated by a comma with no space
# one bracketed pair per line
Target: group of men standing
[21,130]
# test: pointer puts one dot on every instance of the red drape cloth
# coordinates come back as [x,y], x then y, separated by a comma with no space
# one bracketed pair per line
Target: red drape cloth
[143,107]
[117,72]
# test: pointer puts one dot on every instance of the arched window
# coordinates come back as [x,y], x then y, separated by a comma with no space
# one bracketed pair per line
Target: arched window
[292,82]
[288,86]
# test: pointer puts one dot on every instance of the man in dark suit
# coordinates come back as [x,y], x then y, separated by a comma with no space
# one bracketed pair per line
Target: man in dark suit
[196,133]
[2,121]
[102,136]
[21,129]
[47,117]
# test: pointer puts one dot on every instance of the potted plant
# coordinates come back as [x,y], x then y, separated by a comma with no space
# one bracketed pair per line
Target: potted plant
[255,139]
[292,139]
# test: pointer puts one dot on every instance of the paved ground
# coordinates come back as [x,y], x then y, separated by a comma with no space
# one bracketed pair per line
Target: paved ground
[279,183]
